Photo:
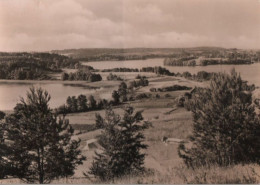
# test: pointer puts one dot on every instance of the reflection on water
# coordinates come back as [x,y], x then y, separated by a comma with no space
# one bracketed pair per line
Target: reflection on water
[11,92]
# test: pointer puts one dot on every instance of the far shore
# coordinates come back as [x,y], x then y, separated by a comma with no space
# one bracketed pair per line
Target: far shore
[43,81]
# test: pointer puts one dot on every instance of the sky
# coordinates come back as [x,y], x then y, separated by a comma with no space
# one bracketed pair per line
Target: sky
[44,25]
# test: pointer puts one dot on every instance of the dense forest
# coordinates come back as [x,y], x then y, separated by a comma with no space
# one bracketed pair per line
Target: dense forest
[33,66]
[107,54]
[203,61]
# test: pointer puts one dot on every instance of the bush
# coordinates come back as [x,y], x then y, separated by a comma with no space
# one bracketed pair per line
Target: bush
[142,82]
[111,77]
[186,74]
[142,96]
[238,174]
[153,89]
[167,96]
[139,77]
[172,88]
[2,115]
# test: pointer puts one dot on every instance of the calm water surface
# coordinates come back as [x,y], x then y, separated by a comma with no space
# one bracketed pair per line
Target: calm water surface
[10,91]
[251,73]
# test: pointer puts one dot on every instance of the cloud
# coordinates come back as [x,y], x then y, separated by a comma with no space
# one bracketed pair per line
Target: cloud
[46,24]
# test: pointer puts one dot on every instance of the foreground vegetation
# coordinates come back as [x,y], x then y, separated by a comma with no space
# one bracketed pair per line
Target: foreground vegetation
[170,119]
[36,145]
[226,127]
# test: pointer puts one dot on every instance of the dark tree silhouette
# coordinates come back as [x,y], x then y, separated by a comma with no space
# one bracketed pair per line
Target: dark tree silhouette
[122,91]
[226,128]
[41,144]
[2,115]
[116,97]
[82,103]
[92,103]
[122,141]
[99,121]
[64,76]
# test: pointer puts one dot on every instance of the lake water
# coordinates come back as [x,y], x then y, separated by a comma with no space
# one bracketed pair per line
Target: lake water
[10,92]
[251,73]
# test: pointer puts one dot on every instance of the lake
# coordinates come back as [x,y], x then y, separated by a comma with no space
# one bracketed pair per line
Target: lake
[11,91]
[251,73]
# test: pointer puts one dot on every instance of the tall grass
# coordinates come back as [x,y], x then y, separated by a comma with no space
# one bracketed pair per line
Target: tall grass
[238,174]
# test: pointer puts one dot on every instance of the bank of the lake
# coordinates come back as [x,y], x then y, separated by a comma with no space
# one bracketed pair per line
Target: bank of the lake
[11,91]
[249,72]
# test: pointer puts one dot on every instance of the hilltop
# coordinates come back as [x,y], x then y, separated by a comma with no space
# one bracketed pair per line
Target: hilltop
[138,52]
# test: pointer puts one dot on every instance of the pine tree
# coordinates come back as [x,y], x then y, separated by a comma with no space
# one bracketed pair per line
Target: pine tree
[41,144]
[82,103]
[74,104]
[69,103]
[64,76]
[122,142]
[226,128]
[92,103]
[99,121]
[116,97]
[5,166]
[122,91]
[2,115]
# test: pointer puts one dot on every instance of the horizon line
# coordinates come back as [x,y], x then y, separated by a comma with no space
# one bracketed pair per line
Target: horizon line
[52,50]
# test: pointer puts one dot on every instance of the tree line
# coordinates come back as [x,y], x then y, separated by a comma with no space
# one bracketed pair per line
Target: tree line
[193,61]
[157,70]
[124,69]
[81,75]
[82,103]
[34,66]
[170,88]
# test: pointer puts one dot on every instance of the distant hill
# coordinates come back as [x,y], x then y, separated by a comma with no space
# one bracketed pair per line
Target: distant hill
[132,53]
